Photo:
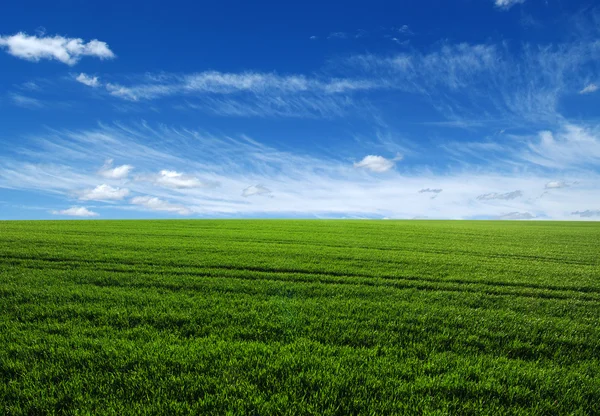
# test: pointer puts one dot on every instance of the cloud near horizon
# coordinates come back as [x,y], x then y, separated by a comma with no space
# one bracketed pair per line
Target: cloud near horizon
[506,196]
[76,212]
[295,184]
[156,204]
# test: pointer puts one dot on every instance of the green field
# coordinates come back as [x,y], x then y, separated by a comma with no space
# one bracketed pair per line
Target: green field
[299,317]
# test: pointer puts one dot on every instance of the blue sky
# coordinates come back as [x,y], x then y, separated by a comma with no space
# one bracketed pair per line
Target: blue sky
[453,109]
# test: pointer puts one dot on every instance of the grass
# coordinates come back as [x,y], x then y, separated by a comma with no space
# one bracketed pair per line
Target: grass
[299,317]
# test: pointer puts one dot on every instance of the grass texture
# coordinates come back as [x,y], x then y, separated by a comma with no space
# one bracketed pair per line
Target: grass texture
[272,317]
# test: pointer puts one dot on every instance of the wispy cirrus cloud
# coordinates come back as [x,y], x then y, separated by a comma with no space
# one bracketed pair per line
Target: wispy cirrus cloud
[30,86]
[249,94]
[296,106]
[516,86]
[571,147]
[506,196]
[451,65]
[220,83]
[467,84]
[66,50]
[256,190]
[25,101]
[588,89]
[299,184]
[337,35]
[507,4]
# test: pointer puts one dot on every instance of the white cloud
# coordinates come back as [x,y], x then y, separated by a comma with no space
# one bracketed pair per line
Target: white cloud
[457,79]
[338,35]
[507,196]
[66,50]
[306,106]
[224,83]
[256,190]
[26,102]
[374,163]
[176,180]
[405,30]
[31,86]
[254,93]
[429,190]
[507,4]
[557,185]
[128,93]
[589,89]
[516,216]
[76,212]
[587,213]
[571,147]
[452,65]
[88,80]
[340,85]
[157,204]
[303,185]
[104,193]
[120,172]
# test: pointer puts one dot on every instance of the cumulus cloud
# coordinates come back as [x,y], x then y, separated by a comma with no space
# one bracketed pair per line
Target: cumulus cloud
[517,216]
[429,190]
[507,4]
[88,80]
[587,214]
[256,190]
[557,185]
[377,164]
[109,172]
[104,193]
[65,50]
[506,197]
[173,179]
[157,204]
[76,212]
[589,89]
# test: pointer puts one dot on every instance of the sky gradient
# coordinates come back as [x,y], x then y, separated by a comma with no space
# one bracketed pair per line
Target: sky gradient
[460,109]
